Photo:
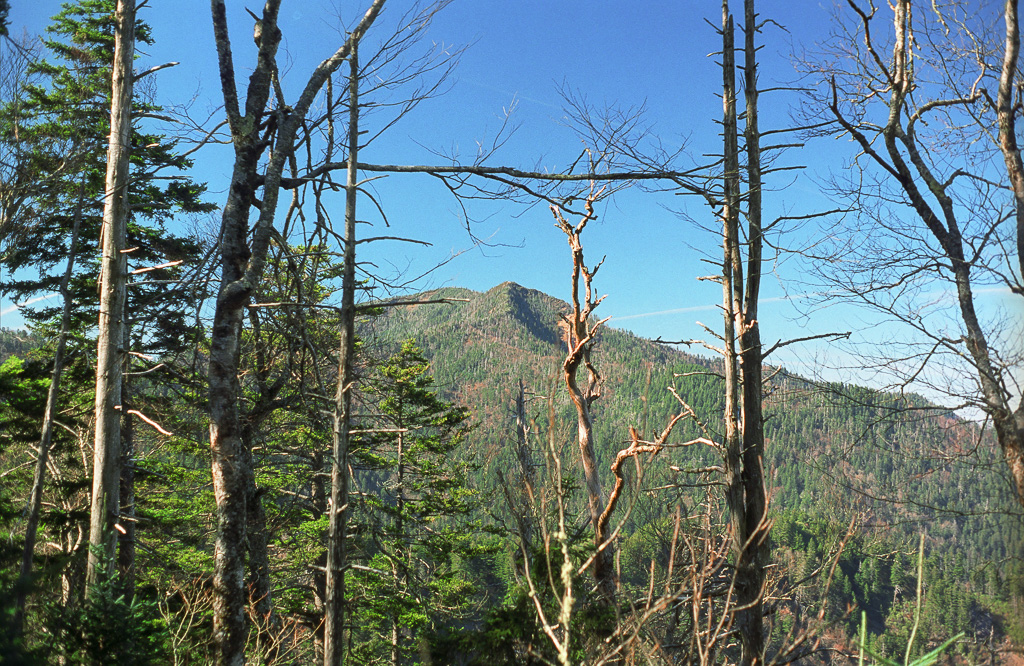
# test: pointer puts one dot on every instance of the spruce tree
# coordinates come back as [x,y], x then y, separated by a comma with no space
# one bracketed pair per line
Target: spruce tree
[48,247]
[418,510]
[65,123]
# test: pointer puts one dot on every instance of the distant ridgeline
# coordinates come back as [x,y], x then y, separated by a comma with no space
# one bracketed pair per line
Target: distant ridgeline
[833,451]
[17,342]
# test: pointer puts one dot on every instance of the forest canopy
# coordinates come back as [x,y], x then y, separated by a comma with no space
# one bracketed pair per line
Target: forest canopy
[272,389]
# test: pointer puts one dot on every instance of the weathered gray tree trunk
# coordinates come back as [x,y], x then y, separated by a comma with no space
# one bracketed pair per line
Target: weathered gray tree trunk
[744,422]
[334,620]
[113,275]
[43,453]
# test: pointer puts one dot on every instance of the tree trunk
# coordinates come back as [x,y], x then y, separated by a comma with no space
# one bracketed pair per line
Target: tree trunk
[334,621]
[744,432]
[42,455]
[242,267]
[1011,432]
[106,448]
[755,555]
[580,340]
[259,585]
[228,462]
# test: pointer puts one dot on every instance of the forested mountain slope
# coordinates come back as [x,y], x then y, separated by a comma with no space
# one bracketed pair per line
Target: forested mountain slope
[897,464]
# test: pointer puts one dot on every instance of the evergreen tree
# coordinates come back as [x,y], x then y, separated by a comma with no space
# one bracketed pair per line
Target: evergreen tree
[417,512]
[62,123]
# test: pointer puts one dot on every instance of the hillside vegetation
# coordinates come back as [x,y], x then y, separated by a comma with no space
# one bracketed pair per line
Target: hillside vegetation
[898,464]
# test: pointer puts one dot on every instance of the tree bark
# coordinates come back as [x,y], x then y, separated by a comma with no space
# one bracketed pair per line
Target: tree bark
[1011,437]
[228,461]
[113,274]
[744,432]
[334,621]
[755,556]
[242,264]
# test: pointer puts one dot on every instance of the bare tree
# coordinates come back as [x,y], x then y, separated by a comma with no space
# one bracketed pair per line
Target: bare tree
[938,223]
[254,132]
[744,423]
[334,619]
[581,335]
[113,279]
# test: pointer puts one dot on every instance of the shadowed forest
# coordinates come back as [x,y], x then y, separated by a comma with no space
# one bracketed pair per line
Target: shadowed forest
[232,432]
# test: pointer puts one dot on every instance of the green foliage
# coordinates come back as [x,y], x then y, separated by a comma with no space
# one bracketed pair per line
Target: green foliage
[62,128]
[5,9]
[113,627]
[829,449]
[416,517]
[924,660]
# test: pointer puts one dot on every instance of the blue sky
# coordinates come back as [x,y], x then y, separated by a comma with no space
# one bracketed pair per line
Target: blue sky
[653,53]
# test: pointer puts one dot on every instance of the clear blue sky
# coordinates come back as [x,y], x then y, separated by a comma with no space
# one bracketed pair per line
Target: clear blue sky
[654,53]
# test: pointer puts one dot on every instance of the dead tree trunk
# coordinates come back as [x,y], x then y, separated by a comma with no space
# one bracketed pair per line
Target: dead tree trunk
[334,621]
[907,160]
[259,584]
[756,555]
[113,275]
[580,341]
[242,264]
[744,422]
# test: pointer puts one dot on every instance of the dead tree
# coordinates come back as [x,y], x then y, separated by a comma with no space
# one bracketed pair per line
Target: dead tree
[932,209]
[254,132]
[581,335]
[113,280]
[334,620]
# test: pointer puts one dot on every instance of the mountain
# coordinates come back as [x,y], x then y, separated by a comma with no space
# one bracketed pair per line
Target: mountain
[14,342]
[834,451]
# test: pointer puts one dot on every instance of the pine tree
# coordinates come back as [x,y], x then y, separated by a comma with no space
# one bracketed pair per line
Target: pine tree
[416,510]
[62,127]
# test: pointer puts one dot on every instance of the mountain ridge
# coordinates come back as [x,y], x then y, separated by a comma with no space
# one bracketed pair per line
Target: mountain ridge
[833,451]
[816,433]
